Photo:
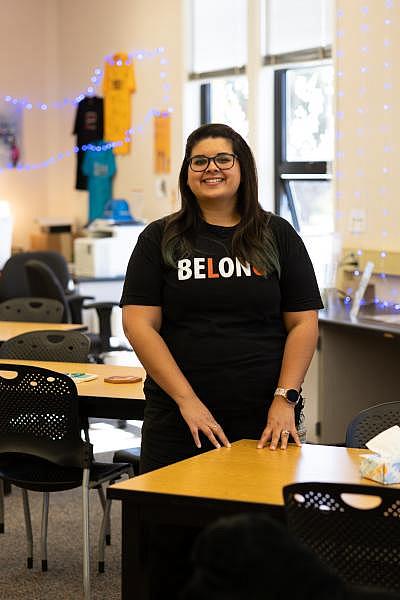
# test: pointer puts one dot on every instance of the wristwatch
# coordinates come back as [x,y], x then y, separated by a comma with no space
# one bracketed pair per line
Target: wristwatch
[291,396]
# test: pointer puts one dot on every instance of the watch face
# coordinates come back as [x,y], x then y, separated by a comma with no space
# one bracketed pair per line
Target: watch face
[292,396]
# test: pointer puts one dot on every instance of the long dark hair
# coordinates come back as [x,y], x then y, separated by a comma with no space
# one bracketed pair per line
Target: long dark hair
[253,240]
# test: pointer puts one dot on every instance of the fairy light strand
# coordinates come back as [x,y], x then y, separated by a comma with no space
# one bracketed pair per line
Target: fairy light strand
[138,129]
[95,80]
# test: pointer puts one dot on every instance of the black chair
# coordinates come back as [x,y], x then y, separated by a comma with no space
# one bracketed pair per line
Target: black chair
[65,346]
[72,346]
[41,449]
[41,277]
[38,310]
[129,455]
[14,282]
[360,544]
[370,422]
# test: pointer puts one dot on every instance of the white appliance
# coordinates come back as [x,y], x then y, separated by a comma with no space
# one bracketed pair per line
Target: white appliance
[6,230]
[106,250]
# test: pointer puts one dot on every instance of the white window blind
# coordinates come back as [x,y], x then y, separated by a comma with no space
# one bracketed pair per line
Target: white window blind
[219,34]
[293,25]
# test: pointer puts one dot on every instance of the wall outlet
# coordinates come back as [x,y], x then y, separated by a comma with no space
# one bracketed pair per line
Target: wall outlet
[358,220]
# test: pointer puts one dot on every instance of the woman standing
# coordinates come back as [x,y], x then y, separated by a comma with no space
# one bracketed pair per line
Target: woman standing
[220,304]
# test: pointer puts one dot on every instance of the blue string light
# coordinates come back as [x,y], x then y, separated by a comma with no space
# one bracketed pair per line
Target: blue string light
[137,130]
[95,81]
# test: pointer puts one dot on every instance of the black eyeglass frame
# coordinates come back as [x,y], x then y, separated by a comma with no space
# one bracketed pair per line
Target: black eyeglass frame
[212,158]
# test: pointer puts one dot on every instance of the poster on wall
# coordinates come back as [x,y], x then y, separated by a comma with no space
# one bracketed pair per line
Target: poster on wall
[10,135]
[162,143]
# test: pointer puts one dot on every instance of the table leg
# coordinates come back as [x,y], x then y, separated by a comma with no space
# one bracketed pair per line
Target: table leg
[133,579]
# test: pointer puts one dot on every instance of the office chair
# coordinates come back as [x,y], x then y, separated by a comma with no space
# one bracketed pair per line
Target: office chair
[360,544]
[41,277]
[38,310]
[54,345]
[14,283]
[370,422]
[42,449]
[13,280]
[128,455]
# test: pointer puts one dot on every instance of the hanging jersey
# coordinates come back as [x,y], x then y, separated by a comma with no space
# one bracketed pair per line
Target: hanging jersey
[88,127]
[99,167]
[118,85]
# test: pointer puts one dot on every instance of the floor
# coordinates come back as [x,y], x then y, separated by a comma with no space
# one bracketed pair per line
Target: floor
[109,434]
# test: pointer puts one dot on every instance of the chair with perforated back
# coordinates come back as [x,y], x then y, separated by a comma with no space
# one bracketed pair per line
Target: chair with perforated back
[370,422]
[37,310]
[42,449]
[65,346]
[361,544]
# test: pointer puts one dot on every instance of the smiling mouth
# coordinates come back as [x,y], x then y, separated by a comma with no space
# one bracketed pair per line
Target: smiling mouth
[214,180]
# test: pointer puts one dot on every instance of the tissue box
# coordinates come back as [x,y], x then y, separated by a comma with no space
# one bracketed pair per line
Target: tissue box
[379,468]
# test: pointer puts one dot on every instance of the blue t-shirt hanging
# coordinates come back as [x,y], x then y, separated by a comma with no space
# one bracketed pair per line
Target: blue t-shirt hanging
[99,167]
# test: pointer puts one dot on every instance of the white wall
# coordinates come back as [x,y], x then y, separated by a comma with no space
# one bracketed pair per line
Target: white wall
[368,125]
[24,68]
[55,45]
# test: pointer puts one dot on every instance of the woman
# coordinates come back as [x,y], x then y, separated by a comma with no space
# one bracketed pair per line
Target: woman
[219,304]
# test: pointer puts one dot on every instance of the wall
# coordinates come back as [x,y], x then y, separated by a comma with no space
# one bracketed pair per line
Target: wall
[25,72]
[367,58]
[56,45]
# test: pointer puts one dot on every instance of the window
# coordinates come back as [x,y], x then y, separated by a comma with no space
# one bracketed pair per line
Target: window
[219,56]
[304,146]
[304,141]
[224,100]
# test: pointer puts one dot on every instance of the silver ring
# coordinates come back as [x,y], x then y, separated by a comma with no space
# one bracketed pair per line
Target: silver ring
[285,432]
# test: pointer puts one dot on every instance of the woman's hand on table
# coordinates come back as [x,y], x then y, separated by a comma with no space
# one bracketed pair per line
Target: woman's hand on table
[199,418]
[280,425]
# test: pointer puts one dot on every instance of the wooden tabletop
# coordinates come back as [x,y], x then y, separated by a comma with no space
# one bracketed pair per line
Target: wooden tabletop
[9,329]
[243,473]
[97,387]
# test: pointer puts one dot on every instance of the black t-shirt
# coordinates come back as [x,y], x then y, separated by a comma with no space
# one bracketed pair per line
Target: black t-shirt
[221,320]
[88,127]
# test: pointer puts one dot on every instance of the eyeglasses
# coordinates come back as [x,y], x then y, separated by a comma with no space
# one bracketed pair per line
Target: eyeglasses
[222,160]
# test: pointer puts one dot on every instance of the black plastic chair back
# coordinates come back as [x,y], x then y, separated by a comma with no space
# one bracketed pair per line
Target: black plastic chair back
[42,281]
[65,346]
[370,422]
[13,280]
[361,545]
[36,310]
[39,415]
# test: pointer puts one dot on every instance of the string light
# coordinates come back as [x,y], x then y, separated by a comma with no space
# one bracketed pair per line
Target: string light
[138,130]
[95,81]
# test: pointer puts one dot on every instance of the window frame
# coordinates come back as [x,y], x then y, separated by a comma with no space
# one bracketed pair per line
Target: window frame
[285,170]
